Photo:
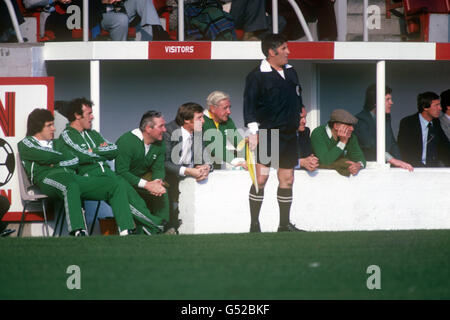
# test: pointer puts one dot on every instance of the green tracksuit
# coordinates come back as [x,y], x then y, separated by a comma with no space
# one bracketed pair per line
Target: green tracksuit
[229,142]
[132,164]
[52,169]
[327,150]
[95,164]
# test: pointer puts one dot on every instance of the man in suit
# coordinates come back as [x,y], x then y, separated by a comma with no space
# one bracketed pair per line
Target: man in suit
[421,139]
[184,153]
[306,159]
[366,130]
[445,116]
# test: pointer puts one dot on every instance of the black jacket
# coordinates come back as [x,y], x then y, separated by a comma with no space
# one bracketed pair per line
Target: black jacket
[411,146]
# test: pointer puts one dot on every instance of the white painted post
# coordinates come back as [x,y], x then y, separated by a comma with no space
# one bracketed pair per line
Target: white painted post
[15,23]
[275,16]
[340,9]
[180,20]
[381,123]
[95,93]
[365,29]
[301,18]
[85,20]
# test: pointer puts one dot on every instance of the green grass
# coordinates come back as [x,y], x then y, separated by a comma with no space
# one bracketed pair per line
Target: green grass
[312,265]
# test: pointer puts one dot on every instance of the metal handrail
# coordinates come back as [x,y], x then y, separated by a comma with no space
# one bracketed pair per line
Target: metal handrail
[15,23]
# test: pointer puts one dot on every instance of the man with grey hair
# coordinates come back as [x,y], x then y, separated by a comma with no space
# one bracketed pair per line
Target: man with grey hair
[140,161]
[220,129]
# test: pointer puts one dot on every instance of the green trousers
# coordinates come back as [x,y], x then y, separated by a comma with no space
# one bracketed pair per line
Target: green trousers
[72,188]
[138,206]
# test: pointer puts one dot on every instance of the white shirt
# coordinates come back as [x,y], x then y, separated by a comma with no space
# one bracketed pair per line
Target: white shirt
[138,133]
[186,153]
[424,125]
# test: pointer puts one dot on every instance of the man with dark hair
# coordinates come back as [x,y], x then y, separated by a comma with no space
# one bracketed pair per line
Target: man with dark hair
[366,129]
[184,152]
[421,139]
[272,102]
[4,207]
[140,161]
[444,118]
[52,167]
[335,145]
[94,151]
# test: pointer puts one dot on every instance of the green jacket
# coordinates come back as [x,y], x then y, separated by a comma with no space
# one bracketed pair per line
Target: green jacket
[326,149]
[230,141]
[132,162]
[80,143]
[40,161]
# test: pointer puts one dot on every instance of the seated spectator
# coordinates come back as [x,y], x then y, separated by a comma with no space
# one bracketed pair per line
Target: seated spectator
[7,33]
[206,20]
[366,130]
[421,139]
[306,159]
[54,14]
[52,167]
[140,161]
[250,15]
[184,153]
[116,16]
[335,145]
[94,152]
[217,118]
[4,207]
[445,116]
[321,11]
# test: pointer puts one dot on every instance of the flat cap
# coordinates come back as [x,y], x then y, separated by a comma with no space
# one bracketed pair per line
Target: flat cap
[340,115]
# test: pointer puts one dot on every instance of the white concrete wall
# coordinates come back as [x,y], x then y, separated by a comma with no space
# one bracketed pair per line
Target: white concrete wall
[375,199]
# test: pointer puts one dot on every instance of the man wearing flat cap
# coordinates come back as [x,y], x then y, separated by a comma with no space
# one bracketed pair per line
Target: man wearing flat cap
[336,146]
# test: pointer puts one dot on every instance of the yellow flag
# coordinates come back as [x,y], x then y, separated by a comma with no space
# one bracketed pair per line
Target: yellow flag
[250,158]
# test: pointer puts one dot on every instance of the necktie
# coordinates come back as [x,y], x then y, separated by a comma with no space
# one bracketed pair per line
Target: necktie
[431,146]
[187,151]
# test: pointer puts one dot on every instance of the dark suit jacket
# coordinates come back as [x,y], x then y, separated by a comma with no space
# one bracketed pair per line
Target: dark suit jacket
[410,142]
[304,143]
[366,131]
[173,169]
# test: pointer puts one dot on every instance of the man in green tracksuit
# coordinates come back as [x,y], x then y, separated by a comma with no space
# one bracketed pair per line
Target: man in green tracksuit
[140,161]
[94,151]
[227,147]
[51,166]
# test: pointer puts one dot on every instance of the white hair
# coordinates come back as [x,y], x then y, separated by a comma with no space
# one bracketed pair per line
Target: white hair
[215,97]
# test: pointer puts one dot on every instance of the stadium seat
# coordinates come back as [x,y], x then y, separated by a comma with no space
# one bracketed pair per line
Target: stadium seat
[417,16]
[30,194]
[60,221]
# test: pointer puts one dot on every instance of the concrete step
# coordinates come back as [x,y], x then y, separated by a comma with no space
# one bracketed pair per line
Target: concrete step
[374,37]
[356,6]
[387,26]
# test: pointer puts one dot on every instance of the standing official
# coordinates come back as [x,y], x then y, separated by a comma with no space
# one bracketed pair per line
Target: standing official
[272,100]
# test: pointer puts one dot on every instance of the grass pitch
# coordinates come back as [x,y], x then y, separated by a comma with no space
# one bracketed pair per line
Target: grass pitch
[290,266]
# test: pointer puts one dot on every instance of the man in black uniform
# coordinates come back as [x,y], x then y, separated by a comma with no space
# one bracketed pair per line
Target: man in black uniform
[272,102]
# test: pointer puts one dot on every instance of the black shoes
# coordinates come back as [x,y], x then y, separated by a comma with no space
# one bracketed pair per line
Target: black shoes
[7,232]
[289,228]
[254,227]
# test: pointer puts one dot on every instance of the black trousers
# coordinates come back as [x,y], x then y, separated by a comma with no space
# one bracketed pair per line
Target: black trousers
[4,207]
